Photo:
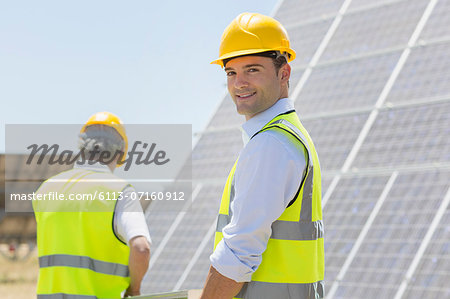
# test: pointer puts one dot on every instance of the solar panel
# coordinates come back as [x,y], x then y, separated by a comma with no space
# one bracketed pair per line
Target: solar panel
[200,269]
[306,38]
[186,238]
[214,152]
[416,135]
[354,198]
[382,27]
[350,85]
[395,236]
[295,11]
[334,136]
[431,276]
[439,24]
[424,76]
[226,115]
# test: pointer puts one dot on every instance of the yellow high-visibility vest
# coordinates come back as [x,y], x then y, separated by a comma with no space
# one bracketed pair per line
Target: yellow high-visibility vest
[293,263]
[79,254]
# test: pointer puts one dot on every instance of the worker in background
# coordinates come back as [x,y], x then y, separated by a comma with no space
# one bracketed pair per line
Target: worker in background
[92,248]
[269,236]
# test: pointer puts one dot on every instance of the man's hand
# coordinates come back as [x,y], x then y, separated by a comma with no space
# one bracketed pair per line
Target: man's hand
[218,286]
[130,293]
[138,264]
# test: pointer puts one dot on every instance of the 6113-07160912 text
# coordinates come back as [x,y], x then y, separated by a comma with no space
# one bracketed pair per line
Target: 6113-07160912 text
[99,195]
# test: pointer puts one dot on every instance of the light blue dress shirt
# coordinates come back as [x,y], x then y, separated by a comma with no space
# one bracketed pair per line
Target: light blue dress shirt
[129,220]
[267,177]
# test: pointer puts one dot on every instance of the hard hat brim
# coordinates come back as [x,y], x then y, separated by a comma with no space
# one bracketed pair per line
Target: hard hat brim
[234,54]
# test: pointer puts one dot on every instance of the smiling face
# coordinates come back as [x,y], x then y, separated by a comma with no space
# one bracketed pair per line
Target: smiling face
[254,84]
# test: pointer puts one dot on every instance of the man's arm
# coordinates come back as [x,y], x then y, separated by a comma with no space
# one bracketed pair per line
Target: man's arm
[138,264]
[130,227]
[218,286]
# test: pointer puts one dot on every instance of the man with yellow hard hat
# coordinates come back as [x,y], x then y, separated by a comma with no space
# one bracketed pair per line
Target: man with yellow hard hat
[95,242]
[269,236]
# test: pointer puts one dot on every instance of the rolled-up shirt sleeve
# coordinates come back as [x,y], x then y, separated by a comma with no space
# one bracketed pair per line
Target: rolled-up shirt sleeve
[129,219]
[267,177]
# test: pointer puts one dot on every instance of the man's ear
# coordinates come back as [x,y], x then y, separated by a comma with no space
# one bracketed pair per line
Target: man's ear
[285,72]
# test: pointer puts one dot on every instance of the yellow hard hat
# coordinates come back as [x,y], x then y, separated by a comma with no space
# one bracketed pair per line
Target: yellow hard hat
[111,120]
[252,33]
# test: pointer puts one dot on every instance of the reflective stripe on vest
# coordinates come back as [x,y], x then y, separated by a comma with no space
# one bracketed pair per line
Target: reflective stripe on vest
[86,262]
[285,230]
[258,290]
[293,263]
[79,253]
[64,296]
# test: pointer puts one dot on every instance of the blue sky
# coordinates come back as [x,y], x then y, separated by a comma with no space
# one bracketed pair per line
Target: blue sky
[147,61]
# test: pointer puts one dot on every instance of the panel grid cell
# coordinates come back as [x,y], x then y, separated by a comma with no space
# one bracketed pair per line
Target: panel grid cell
[349,85]
[438,26]
[215,154]
[375,29]
[425,75]
[430,280]
[395,236]
[334,137]
[305,40]
[159,219]
[213,169]
[295,11]
[407,136]
[344,216]
[184,242]
[161,214]
[325,184]
[226,115]
[295,76]
[197,276]
[365,4]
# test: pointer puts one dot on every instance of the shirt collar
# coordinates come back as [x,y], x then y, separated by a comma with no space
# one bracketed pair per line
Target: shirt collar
[97,166]
[257,122]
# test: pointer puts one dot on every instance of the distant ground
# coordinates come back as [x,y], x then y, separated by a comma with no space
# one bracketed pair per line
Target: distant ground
[18,278]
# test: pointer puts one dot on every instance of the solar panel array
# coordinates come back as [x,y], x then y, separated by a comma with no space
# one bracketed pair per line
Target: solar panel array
[371,85]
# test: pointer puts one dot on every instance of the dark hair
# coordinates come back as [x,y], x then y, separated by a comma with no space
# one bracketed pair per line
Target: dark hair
[100,141]
[279,62]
